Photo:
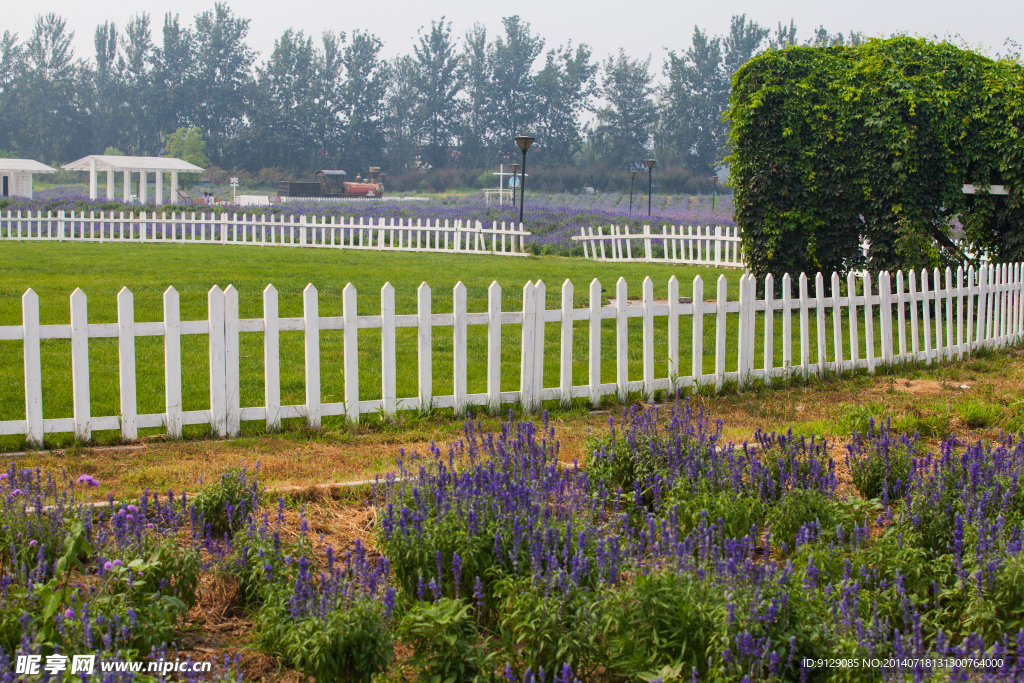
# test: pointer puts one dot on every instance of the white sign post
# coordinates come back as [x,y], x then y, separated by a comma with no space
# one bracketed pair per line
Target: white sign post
[234,190]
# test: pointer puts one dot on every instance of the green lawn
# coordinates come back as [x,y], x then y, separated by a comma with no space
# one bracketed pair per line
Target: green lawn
[54,270]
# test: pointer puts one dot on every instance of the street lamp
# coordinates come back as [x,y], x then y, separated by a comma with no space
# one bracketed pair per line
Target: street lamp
[632,175]
[714,188]
[515,170]
[524,144]
[650,171]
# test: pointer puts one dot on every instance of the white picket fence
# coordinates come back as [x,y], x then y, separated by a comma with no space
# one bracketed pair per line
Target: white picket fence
[267,230]
[719,246]
[946,320]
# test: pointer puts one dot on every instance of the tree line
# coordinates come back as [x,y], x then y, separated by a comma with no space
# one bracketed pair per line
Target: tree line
[335,102]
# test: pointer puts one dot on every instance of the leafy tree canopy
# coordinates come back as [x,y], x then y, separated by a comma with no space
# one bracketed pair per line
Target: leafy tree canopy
[188,145]
[834,145]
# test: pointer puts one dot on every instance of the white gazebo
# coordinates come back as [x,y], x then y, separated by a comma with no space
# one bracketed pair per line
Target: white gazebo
[16,176]
[129,165]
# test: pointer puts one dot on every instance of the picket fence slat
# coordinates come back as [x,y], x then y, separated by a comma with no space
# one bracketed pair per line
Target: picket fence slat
[989,312]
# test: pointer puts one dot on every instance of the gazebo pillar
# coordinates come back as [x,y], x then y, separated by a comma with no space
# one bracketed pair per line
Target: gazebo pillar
[143,187]
[127,185]
[110,183]
[159,188]
[174,187]
[27,180]
[92,179]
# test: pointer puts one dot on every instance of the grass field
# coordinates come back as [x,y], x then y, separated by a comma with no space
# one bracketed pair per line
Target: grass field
[54,270]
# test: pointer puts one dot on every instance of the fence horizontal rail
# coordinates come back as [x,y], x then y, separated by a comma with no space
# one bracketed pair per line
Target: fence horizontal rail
[717,245]
[267,230]
[937,316]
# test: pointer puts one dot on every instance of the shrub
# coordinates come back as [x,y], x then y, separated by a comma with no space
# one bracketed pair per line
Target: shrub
[226,506]
[443,637]
[551,625]
[880,463]
[806,515]
[335,626]
[681,622]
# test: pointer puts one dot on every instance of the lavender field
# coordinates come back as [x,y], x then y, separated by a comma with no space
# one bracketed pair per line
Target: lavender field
[552,219]
[668,555]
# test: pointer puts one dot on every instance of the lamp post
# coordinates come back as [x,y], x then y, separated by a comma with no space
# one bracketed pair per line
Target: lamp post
[650,172]
[632,175]
[524,144]
[515,170]
[714,188]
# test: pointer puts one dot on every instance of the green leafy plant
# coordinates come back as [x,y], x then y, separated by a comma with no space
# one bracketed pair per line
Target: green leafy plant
[443,635]
[832,145]
[227,505]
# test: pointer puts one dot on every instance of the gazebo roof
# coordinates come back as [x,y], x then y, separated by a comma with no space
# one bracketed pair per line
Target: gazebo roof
[25,166]
[120,163]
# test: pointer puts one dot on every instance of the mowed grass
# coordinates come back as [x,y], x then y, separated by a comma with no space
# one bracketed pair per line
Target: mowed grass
[100,270]
[54,270]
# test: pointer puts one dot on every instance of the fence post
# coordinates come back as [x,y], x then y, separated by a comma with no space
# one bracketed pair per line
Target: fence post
[648,337]
[172,363]
[937,295]
[901,316]
[697,346]
[744,346]
[271,358]
[527,349]
[885,315]
[388,360]
[565,374]
[805,338]
[621,340]
[351,350]
[720,328]
[787,325]
[459,347]
[819,315]
[493,347]
[311,341]
[927,317]
[232,405]
[869,325]
[80,366]
[769,327]
[949,313]
[594,374]
[540,301]
[837,324]
[126,363]
[851,290]
[648,254]
[218,401]
[673,331]
[33,368]
[424,346]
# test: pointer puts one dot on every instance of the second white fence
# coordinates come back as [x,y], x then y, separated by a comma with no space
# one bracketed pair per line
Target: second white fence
[935,318]
[718,245]
[266,230]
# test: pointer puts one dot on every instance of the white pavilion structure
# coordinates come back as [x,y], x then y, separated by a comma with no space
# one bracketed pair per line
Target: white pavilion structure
[128,166]
[16,176]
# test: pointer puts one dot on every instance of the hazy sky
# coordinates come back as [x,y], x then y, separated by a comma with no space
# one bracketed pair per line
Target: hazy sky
[641,27]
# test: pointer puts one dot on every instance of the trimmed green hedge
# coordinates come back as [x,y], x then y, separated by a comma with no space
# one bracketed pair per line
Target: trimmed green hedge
[832,145]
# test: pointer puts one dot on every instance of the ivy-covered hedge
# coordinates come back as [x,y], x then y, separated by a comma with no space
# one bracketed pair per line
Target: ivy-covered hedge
[832,145]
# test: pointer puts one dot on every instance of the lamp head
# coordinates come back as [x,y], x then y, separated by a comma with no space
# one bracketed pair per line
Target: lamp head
[524,142]
[515,168]
[650,163]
